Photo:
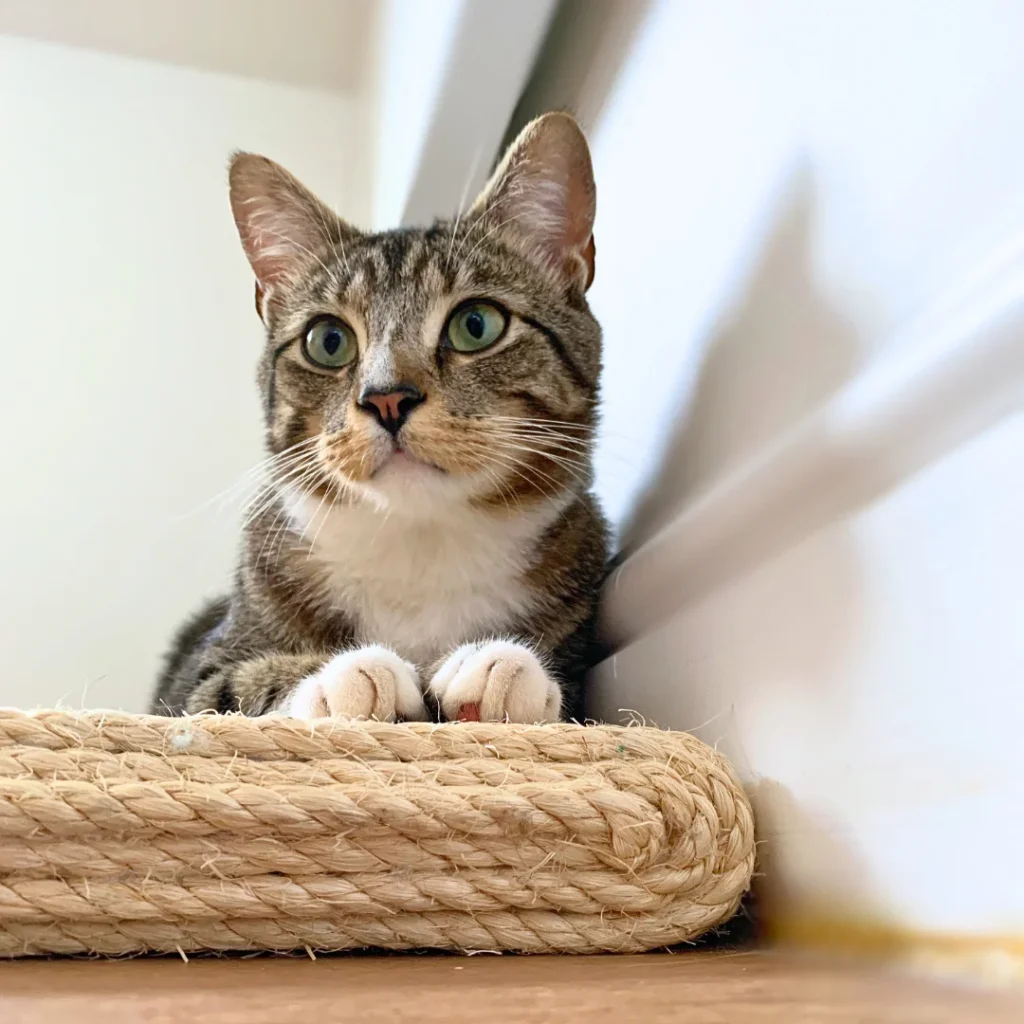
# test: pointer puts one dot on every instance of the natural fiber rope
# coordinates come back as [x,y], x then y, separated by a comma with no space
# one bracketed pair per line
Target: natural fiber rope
[129,833]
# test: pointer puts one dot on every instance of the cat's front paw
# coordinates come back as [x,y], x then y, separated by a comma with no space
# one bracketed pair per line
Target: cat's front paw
[497,681]
[370,682]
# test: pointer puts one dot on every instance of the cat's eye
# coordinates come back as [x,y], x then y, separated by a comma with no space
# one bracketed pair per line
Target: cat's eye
[330,343]
[475,326]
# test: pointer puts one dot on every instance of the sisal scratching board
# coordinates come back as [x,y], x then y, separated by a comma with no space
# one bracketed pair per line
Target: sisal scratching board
[131,834]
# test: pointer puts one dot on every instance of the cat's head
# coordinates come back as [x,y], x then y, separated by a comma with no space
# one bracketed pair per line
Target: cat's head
[419,367]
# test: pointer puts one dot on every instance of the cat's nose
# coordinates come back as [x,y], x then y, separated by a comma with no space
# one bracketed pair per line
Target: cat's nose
[391,406]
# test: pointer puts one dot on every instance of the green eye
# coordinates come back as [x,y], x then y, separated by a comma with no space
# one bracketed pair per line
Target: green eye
[476,326]
[330,343]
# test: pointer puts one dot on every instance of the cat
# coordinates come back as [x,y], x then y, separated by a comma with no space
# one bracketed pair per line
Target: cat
[427,545]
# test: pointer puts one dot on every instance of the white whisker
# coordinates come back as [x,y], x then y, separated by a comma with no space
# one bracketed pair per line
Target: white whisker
[462,204]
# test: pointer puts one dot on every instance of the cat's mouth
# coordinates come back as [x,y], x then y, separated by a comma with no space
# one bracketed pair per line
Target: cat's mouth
[401,459]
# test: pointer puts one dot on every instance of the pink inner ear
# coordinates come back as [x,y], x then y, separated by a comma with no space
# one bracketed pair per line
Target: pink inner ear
[280,222]
[275,241]
[589,256]
[542,195]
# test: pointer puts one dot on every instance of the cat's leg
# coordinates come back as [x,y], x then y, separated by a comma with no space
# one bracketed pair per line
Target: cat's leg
[495,681]
[368,682]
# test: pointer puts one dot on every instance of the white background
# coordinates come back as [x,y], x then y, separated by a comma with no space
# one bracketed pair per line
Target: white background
[129,350]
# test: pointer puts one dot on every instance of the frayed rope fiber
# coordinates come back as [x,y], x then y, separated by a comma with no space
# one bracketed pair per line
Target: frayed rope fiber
[132,833]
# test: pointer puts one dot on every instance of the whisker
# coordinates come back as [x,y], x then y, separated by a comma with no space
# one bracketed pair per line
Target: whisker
[585,448]
[519,444]
[299,477]
[280,526]
[561,426]
[247,479]
[271,489]
[462,204]
[493,206]
[329,238]
[490,231]
[326,494]
[522,469]
[580,446]
[518,465]
[281,511]
[571,468]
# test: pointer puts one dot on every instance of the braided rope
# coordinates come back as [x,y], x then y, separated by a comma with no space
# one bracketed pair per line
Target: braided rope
[129,833]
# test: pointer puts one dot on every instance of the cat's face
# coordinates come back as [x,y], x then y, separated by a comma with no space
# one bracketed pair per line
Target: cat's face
[416,368]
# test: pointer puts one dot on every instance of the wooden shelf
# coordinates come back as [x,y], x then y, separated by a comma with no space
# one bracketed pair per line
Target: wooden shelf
[683,988]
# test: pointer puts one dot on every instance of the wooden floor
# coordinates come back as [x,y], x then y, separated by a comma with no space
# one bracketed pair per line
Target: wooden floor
[720,988]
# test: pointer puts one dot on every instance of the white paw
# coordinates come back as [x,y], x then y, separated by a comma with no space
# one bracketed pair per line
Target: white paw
[498,681]
[370,682]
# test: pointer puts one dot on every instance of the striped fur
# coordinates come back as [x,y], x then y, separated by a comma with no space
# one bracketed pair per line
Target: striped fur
[462,557]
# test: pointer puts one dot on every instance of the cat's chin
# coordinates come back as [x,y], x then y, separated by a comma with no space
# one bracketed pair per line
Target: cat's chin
[406,482]
[403,465]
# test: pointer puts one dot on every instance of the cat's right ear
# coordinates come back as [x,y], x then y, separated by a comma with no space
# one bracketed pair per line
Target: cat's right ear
[282,225]
[542,197]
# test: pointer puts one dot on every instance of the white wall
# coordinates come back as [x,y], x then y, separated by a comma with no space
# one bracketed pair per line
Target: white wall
[447,77]
[800,178]
[129,349]
[413,50]
[866,684]
[783,186]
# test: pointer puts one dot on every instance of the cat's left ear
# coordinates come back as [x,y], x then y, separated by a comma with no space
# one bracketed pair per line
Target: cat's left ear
[542,197]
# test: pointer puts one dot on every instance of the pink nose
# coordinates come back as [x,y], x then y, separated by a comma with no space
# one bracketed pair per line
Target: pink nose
[391,408]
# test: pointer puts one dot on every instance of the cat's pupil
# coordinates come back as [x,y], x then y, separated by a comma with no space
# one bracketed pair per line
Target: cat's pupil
[475,325]
[332,342]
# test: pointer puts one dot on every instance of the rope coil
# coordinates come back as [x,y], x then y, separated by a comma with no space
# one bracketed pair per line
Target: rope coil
[131,833]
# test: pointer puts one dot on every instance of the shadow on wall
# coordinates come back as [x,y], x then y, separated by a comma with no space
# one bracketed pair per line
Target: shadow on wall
[586,46]
[780,352]
[803,860]
[760,644]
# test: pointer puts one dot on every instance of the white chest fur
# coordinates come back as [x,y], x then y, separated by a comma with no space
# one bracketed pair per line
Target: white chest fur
[422,585]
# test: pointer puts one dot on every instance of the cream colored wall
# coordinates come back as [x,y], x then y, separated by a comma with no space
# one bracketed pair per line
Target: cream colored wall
[783,188]
[129,347]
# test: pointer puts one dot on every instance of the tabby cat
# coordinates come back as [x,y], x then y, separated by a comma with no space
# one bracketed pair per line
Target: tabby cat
[427,545]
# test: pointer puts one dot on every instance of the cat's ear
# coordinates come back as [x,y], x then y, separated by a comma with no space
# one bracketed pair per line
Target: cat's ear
[284,228]
[542,196]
